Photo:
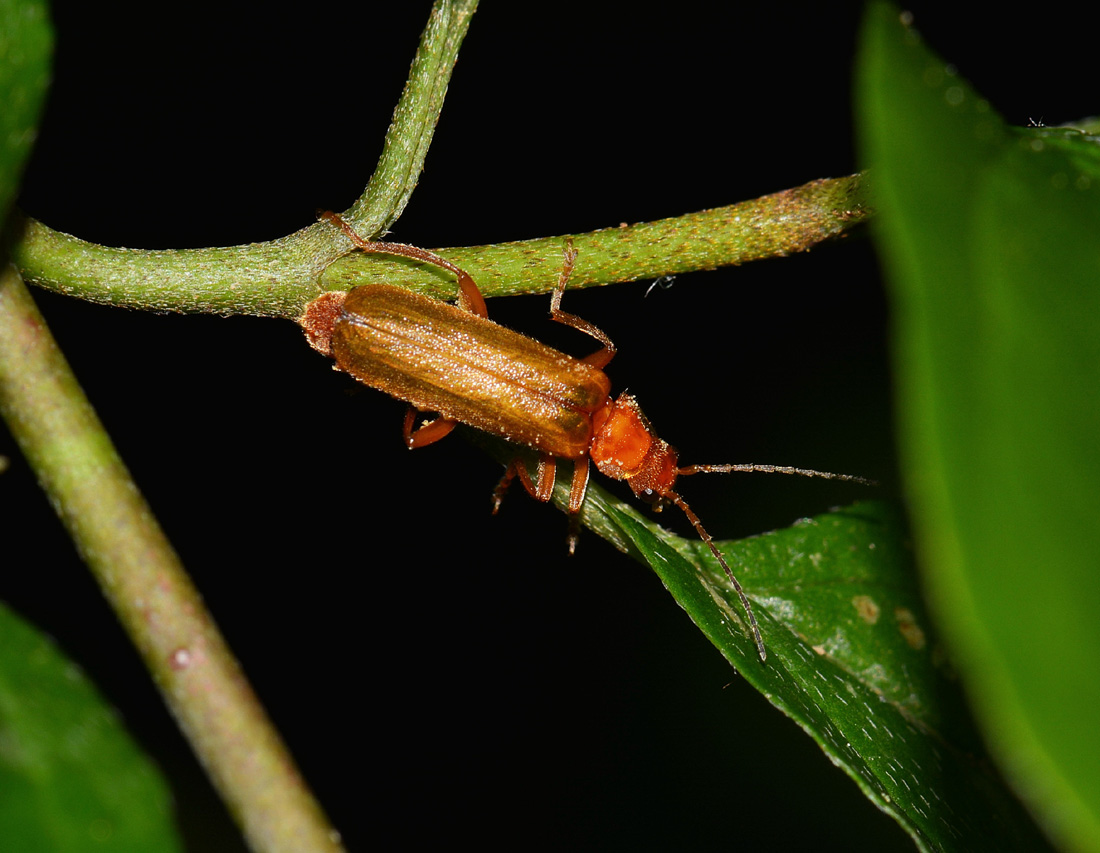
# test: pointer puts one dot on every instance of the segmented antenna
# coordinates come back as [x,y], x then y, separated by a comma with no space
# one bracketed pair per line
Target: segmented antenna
[772,469]
[698,525]
[702,531]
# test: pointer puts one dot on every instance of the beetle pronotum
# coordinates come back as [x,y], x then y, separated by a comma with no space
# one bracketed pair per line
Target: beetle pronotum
[455,362]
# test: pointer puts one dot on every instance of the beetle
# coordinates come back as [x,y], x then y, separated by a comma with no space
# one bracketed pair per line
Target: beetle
[453,361]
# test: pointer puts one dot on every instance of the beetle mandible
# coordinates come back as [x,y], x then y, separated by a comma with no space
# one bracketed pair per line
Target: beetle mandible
[453,361]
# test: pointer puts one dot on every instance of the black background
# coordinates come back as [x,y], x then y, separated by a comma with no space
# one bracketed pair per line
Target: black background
[441,674]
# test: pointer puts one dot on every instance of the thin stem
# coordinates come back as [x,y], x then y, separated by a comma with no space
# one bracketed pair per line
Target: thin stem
[774,225]
[278,278]
[272,279]
[136,567]
[142,578]
[109,521]
[414,120]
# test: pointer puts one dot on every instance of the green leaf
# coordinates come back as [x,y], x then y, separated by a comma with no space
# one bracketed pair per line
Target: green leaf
[25,47]
[989,238]
[71,779]
[851,659]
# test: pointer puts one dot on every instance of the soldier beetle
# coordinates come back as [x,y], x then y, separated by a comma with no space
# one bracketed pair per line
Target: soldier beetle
[453,361]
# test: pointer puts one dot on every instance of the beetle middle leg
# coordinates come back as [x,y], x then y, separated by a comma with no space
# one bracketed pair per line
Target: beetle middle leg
[541,488]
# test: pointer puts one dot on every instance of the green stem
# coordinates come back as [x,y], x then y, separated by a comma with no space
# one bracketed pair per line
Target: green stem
[278,278]
[271,279]
[774,225]
[413,126]
[142,578]
[109,521]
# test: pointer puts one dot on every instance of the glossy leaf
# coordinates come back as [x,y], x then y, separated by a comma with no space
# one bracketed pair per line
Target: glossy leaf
[851,659]
[71,779]
[988,236]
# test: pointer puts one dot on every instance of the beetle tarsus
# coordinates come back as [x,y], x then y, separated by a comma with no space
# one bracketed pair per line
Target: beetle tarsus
[502,487]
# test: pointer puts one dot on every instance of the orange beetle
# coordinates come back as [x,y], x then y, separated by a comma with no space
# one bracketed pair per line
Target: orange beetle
[454,361]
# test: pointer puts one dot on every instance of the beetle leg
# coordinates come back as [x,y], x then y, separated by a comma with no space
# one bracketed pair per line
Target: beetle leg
[580,485]
[540,490]
[502,487]
[426,434]
[600,357]
[469,297]
[543,489]
[576,500]
[543,486]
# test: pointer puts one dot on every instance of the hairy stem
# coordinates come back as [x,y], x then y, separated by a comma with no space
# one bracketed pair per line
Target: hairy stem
[276,278]
[413,125]
[774,225]
[142,578]
[279,277]
[112,526]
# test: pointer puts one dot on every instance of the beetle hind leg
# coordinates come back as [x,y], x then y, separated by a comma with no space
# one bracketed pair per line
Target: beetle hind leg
[427,433]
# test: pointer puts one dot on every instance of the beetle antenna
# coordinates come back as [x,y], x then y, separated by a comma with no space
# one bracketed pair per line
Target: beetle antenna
[772,469]
[698,525]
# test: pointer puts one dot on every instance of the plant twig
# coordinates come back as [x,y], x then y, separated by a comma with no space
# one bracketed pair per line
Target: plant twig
[113,527]
[414,120]
[775,225]
[278,278]
[272,279]
[143,580]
